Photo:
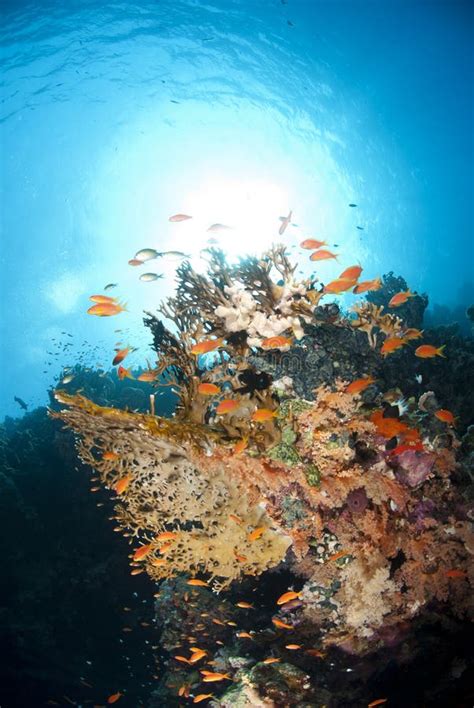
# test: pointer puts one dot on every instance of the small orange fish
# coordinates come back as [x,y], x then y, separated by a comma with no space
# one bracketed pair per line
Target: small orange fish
[122,484]
[211,677]
[240,557]
[287,597]
[114,697]
[262,415]
[103,299]
[336,556]
[315,652]
[322,255]
[244,635]
[208,389]
[182,659]
[179,217]
[166,536]
[218,621]
[120,356]
[109,455]
[123,373]
[360,385]
[285,220]
[149,376]
[202,697]
[368,286]
[340,285]
[137,571]
[428,351]
[312,244]
[400,298]
[293,647]
[240,446]
[271,660]
[157,562]
[197,583]
[455,573]
[392,344]
[351,273]
[281,625]
[142,552]
[377,702]
[412,333]
[106,309]
[445,416]
[236,518]
[276,342]
[197,655]
[207,345]
[227,406]
[245,605]
[256,533]
[135,262]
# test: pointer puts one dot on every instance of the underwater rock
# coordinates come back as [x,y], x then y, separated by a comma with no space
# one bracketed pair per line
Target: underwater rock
[415,467]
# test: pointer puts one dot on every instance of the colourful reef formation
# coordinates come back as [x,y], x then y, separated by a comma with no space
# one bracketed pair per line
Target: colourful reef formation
[274,459]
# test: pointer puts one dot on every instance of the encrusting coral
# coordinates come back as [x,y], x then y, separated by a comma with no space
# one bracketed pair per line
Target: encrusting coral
[351,492]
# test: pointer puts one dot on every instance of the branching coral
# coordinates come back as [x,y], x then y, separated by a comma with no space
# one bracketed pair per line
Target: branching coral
[371,321]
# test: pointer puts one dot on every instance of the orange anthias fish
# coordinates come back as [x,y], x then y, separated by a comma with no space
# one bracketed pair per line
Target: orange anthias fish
[142,552]
[281,625]
[322,255]
[122,484]
[202,697]
[285,220]
[103,299]
[114,697]
[149,376]
[360,385]
[240,446]
[120,356]
[197,655]
[287,597]
[455,573]
[392,344]
[412,333]
[123,373]
[400,298]
[351,273]
[212,677]
[166,536]
[404,447]
[339,554]
[340,285]
[445,416]
[428,351]
[110,455]
[271,660]
[227,406]
[208,345]
[368,286]
[179,217]
[195,582]
[208,389]
[312,244]
[245,605]
[293,647]
[276,342]
[377,702]
[256,533]
[262,415]
[106,309]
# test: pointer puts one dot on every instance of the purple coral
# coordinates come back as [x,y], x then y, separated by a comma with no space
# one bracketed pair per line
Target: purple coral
[357,501]
[415,467]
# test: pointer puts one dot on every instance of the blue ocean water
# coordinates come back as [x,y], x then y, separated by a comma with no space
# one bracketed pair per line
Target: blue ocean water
[115,115]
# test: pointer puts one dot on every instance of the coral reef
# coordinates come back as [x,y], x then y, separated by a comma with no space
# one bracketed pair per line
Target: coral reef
[271,463]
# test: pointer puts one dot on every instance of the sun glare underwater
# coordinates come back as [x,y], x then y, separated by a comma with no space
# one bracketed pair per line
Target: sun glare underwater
[269,206]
